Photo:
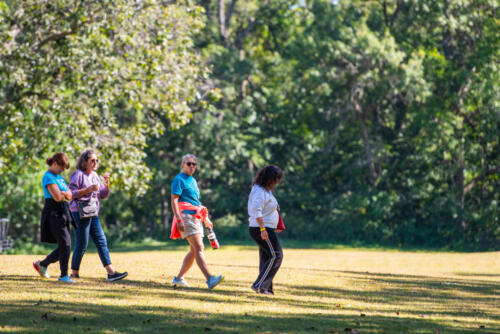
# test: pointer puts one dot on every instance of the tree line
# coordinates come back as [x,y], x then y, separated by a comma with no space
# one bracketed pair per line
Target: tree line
[384,115]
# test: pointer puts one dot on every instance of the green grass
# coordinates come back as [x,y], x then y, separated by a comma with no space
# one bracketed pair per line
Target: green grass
[149,244]
[317,291]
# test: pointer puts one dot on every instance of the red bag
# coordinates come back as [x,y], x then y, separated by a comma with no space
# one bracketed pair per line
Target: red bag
[281,224]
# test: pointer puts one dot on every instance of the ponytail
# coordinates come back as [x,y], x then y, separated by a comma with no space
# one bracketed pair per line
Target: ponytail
[60,158]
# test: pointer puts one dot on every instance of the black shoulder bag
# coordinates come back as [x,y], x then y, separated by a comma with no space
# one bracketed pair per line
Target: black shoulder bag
[88,209]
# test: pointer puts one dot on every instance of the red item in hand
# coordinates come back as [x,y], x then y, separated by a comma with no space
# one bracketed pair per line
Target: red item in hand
[212,238]
[281,224]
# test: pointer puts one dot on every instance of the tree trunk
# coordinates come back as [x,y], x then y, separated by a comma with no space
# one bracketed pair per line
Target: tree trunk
[366,140]
[222,23]
[164,209]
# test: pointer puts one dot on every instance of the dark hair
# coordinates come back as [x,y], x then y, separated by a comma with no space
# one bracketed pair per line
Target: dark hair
[267,176]
[81,164]
[59,158]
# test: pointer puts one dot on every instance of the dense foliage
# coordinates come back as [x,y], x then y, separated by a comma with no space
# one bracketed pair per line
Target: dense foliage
[384,115]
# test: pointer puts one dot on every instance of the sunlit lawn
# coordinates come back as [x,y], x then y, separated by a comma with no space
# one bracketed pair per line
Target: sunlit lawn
[317,291]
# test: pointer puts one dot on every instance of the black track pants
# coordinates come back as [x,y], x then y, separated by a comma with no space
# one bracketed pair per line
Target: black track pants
[270,257]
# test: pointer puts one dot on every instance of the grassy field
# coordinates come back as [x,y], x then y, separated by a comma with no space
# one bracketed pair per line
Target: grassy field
[317,291]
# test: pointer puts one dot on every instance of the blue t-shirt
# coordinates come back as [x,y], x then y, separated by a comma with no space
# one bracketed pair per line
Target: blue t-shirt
[186,187]
[51,178]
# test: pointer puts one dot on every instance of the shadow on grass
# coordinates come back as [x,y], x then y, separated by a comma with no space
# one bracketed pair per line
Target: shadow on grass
[477,274]
[323,309]
[62,317]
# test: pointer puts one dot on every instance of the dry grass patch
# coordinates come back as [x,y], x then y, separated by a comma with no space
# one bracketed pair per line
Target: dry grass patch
[318,291]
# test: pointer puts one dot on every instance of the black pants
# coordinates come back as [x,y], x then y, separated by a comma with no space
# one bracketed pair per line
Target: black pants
[61,232]
[270,257]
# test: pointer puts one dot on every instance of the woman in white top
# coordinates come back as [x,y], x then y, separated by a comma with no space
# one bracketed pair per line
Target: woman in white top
[264,217]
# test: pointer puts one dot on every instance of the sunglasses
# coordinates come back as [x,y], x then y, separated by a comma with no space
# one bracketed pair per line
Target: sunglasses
[191,164]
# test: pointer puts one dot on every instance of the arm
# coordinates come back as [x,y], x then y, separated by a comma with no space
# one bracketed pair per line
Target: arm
[257,206]
[263,232]
[174,200]
[57,195]
[68,195]
[104,187]
[75,184]
[208,223]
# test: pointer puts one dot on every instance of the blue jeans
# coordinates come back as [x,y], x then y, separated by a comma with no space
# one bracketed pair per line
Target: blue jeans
[89,227]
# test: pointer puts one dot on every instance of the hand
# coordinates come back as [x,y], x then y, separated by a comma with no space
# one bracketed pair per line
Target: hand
[67,194]
[208,223]
[180,224]
[106,179]
[92,188]
[278,231]
[263,235]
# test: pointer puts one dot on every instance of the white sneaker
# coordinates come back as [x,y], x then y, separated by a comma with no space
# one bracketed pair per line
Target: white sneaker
[182,281]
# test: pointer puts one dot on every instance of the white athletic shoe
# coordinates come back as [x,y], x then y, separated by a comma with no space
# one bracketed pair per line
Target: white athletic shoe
[181,281]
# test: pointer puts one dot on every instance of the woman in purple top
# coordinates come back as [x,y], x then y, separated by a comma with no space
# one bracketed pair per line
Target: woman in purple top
[84,185]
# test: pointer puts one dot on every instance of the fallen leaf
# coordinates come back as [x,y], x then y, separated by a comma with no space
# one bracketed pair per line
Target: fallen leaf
[207,329]
[347,329]
[358,323]
[482,326]
[44,316]
[363,315]
[397,312]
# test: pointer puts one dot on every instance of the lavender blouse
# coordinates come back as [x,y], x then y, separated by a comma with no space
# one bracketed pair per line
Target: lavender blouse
[81,180]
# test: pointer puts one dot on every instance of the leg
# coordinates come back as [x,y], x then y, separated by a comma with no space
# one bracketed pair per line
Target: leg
[268,258]
[97,234]
[61,253]
[64,242]
[196,243]
[81,242]
[261,265]
[272,269]
[187,263]
[51,258]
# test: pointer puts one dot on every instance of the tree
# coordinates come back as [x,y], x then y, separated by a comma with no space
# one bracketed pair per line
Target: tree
[100,74]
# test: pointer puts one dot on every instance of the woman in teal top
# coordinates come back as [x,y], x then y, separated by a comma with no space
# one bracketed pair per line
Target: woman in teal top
[56,217]
[185,190]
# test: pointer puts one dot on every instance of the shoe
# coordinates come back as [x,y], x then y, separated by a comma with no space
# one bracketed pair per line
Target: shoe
[212,281]
[117,276]
[41,269]
[74,276]
[254,288]
[66,279]
[181,281]
[266,292]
